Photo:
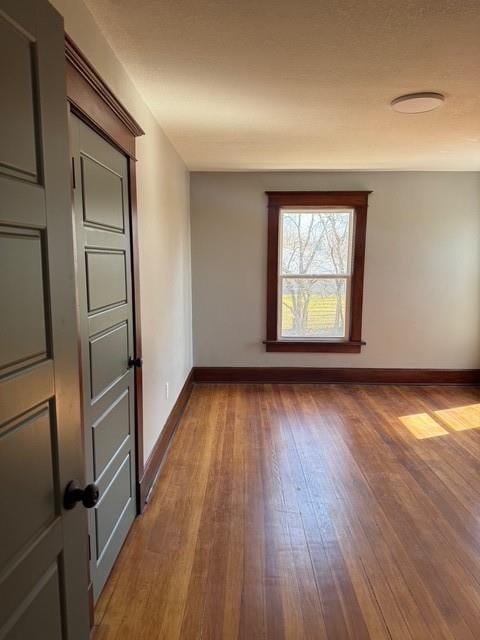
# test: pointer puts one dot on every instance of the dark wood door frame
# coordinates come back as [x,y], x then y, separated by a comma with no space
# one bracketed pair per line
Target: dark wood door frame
[91,100]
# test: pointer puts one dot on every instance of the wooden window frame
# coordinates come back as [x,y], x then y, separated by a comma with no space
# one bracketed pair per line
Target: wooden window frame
[356,200]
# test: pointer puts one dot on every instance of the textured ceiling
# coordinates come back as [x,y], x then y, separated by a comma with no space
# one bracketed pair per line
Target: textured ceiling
[304,84]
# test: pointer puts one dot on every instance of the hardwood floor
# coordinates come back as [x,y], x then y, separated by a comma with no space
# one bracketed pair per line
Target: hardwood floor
[302,511]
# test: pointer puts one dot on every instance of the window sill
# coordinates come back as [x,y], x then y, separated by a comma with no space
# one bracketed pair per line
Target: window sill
[311,346]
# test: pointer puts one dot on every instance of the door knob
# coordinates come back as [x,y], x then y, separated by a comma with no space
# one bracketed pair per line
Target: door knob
[134,362]
[73,494]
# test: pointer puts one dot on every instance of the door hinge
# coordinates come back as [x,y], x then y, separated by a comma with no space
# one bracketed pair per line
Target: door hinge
[73,174]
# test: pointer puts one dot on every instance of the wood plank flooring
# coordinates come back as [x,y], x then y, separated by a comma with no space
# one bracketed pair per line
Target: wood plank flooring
[303,511]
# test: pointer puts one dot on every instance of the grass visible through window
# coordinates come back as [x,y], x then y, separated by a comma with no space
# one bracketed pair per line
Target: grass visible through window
[321,313]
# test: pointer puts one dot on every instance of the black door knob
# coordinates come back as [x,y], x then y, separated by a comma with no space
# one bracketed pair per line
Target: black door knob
[134,362]
[73,494]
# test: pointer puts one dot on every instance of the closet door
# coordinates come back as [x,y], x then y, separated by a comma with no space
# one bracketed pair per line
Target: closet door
[102,220]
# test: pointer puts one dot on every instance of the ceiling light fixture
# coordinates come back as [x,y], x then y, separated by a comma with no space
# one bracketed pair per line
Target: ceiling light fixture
[417,102]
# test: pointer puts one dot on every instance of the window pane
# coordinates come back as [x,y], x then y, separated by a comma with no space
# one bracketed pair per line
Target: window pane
[315,242]
[313,308]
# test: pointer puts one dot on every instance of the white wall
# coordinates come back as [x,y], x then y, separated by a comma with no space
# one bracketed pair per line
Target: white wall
[422,269]
[164,232]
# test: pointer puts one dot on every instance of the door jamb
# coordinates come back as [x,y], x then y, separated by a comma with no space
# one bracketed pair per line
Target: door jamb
[90,99]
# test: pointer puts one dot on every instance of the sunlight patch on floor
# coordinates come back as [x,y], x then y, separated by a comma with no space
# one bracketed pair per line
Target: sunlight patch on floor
[461,418]
[421,425]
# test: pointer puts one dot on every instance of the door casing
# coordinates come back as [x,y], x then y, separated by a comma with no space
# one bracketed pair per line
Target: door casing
[90,99]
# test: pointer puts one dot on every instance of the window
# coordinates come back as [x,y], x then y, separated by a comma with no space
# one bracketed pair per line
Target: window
[316,248]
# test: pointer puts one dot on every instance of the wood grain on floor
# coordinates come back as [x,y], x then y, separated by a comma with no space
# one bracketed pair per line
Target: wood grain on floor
[302,511]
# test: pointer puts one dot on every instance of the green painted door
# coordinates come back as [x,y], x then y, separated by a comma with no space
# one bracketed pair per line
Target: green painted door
[102,223]
[43,550]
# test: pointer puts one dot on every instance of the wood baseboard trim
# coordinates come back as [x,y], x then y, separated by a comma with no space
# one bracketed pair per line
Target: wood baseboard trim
[156,458]
[335,375]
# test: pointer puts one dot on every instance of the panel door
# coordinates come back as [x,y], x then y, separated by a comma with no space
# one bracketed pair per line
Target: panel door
[101,205]
[43,551]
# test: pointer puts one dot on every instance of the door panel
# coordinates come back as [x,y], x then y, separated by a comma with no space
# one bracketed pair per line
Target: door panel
[17,126]
[108,358]
[43,555]
[23,337]
[32,436]
[106,279]
[41,609]
[103,201]
[105,295]
[115,499]
[110,432]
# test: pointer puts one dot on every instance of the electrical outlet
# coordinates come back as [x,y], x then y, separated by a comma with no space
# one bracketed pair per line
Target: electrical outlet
[166,390]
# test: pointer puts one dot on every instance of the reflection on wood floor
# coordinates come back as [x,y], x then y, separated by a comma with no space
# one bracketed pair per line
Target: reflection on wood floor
[302,511]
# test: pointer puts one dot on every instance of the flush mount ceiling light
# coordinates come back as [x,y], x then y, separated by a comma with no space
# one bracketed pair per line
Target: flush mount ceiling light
[417,102]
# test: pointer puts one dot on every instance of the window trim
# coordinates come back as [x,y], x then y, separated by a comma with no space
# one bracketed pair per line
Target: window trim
[277,200]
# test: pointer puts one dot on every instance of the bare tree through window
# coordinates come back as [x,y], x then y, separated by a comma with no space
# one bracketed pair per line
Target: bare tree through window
[315,270]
